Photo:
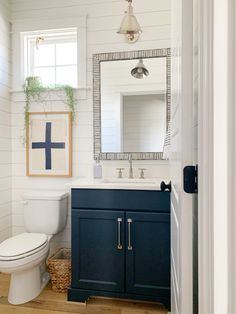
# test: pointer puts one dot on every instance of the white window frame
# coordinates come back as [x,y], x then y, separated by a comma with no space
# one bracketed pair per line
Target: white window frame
[52,36]
[20,27]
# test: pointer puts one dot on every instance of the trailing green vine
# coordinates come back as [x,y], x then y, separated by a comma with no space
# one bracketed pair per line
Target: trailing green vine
[34,91]
[70,100]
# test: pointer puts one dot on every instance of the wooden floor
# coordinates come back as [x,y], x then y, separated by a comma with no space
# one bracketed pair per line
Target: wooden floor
[50,302]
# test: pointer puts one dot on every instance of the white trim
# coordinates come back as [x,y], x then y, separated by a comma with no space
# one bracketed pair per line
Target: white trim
[211,299]
[231,157]
[67,35]
[205,157]
[182,151]
[220,116]
[30,25]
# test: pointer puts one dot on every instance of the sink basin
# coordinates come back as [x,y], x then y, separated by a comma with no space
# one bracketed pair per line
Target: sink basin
[131,181]
[115,183]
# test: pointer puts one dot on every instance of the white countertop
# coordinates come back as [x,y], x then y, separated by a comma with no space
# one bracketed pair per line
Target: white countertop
[127,184]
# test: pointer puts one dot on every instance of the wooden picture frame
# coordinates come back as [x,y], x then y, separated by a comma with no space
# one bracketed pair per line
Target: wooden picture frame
[49,144]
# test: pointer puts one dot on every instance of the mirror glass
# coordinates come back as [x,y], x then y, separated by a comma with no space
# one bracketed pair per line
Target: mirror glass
[133,110]
[132,104]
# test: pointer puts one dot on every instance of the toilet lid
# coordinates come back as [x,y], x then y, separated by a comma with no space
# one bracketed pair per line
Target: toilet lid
[21,244]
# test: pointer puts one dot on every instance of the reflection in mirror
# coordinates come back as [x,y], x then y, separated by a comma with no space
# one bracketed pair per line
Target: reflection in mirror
[143,118]
[133,111]
[131,104]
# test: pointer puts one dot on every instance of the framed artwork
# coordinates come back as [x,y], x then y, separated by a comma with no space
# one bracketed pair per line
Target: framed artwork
[49,144]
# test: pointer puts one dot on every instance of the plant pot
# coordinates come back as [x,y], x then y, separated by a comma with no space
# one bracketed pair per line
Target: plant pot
[33,81]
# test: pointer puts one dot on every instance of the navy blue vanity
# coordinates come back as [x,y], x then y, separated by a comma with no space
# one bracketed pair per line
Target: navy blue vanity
[120,244]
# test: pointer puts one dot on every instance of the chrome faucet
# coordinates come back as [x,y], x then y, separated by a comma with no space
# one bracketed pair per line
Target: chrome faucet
[131,174]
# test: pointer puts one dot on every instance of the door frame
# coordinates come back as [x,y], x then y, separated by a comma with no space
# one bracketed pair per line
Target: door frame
[211,270]
[205,159]
[217,137]
[182,153]
[231,157]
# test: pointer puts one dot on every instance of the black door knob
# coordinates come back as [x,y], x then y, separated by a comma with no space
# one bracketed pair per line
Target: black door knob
[164,186]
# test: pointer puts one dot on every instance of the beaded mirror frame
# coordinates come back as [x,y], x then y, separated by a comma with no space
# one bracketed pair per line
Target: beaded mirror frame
[127,55]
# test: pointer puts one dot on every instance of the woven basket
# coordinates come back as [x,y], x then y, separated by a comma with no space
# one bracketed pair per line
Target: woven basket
[59,266]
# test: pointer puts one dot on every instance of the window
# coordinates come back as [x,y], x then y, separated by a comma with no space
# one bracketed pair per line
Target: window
[52,55]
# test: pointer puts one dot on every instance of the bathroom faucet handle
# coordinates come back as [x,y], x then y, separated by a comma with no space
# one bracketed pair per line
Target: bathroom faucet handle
[141,172]
[120,174]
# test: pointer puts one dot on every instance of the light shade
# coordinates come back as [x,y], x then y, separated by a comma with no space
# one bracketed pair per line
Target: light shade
[129,25]
[140,71]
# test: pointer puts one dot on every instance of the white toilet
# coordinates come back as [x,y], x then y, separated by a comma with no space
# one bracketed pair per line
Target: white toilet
[24,256]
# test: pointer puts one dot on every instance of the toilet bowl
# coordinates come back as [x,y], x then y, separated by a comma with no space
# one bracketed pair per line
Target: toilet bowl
[24,255]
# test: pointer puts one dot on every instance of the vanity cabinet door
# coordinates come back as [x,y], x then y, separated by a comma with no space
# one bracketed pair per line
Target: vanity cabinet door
[148,254]
[98,250]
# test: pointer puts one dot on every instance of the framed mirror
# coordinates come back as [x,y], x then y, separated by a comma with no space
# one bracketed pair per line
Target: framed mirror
[132,104]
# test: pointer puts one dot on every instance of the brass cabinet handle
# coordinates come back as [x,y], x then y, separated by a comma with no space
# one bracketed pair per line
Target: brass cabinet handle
[119,245]
[130,248]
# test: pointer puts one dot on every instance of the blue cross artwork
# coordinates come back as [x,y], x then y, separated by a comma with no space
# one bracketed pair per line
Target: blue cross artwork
[49,144]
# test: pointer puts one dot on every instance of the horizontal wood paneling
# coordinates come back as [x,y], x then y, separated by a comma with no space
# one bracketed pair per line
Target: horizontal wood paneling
[103,20]
[5,121]
[33,8]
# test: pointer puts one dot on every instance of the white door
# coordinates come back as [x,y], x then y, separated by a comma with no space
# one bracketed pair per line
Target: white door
[182,154]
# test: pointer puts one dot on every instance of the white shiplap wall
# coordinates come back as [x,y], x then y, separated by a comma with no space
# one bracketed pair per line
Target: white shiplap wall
[104,17]
[5,121]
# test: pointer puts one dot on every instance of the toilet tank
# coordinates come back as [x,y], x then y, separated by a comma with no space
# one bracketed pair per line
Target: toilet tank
[45,211]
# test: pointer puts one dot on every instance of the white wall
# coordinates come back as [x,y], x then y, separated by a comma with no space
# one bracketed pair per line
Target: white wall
[5,121]
[104,17]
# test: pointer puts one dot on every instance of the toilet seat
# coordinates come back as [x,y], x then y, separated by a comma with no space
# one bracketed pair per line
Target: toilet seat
[22,245]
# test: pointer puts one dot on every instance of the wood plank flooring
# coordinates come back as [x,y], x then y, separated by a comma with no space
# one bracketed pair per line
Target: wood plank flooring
[50,302]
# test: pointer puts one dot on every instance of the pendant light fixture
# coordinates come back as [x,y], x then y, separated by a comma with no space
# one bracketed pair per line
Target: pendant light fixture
[129,25]
[140,71]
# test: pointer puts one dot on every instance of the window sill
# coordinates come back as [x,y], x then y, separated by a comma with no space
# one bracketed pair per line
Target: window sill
[81,93]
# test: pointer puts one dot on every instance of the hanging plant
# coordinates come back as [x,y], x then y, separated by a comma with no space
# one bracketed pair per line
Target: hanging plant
[34,91]
[70,98]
